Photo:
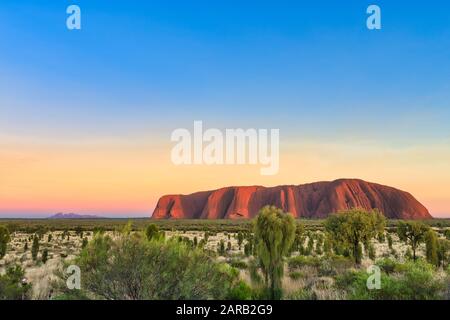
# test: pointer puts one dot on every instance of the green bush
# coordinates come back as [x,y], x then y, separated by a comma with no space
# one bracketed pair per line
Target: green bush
[11,286]
[295,275]
[387,265]
[303,294]
[44,256]
[239,264]
[333,265]
[35,247]
[301,261]
[152,232]
[447,234]
[432,247]
[221,248]
[410,281]
[274,235]
[72,295]
[4,239]
[443,252]
[240,291]
[389,240]
[134,268]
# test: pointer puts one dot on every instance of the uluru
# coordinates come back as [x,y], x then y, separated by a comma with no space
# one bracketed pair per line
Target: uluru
[311,200]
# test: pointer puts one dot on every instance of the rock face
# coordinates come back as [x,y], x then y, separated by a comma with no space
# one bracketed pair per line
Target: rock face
[312,200]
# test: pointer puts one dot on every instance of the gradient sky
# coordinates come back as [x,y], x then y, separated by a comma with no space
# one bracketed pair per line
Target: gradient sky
[86,116]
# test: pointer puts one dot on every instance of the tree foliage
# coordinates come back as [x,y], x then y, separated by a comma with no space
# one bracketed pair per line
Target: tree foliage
[274,234]
[152,232]
[351,228]
[35,247]
[44,256]
[443,252]
[4,240]
[299,238]
[432,244]
[408,281]
[412,233]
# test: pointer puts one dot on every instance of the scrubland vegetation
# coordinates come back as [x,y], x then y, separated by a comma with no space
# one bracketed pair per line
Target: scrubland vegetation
[271,257]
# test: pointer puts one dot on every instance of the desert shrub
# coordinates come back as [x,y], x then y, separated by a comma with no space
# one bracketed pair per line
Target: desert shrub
[387,265]
[303,294]
[411,281]
[35,247]
[447,234]
[221,248]
[71,295]
[299,239]
[443,252]
[309,246]
[420,282]
[371,251]
[4,239]
[395,253]
[239,264]
[431,241]
[131,268]
[247,249]
[11,286]
[354,282]
[409,254]
[79,231]
[340,249]
[202,243]
[40,231]
[240,291]
[327,245]
[240,239]
[301,261]
[333,265]
[295,275]
[319,244]
[389,240]
[84,243]
[97,229]
[152,232]
[44,256]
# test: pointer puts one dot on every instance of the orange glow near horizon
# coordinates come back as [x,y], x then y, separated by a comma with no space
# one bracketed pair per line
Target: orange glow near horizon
[111,178]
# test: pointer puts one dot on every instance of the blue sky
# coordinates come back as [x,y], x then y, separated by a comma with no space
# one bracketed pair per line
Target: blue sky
[144,68]
[287,61]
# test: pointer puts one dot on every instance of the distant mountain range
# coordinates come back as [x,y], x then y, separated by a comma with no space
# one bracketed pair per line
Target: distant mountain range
[61,215]
[312,200]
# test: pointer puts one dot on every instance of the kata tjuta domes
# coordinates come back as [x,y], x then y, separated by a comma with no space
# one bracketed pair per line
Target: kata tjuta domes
[312,200]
